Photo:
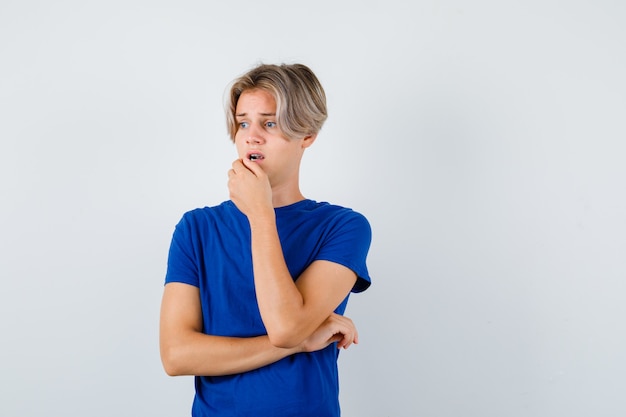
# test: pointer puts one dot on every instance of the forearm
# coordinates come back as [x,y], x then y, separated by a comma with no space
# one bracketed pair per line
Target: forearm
[201,354]
[280,302]
[186,350]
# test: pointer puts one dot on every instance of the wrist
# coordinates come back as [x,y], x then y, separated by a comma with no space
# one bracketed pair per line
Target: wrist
[262,218]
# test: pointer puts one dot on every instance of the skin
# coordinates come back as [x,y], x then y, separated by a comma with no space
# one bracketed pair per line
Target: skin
[298,315]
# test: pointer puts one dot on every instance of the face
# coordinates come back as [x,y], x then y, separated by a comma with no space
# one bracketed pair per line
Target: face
[260,139]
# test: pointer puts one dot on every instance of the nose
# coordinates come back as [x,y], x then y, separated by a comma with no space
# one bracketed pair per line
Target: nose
[255,136]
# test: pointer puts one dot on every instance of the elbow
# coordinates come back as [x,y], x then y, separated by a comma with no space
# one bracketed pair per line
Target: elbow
[285,338]
[171,369]
[172,363]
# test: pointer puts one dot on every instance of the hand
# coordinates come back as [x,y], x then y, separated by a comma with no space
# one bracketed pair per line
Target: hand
[335,328]
[249,187]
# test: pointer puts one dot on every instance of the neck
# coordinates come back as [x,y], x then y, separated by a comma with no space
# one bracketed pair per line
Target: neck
[284,196]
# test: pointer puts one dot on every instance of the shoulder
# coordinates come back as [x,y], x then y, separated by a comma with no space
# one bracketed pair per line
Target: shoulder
[335,224]
[341,216]
[326,209]
[346,240]
[207,214]
[199,221]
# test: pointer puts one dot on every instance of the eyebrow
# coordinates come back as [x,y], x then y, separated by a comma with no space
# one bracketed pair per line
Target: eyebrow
[261,114]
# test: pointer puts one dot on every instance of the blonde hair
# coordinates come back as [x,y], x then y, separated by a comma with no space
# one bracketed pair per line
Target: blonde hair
[300,98]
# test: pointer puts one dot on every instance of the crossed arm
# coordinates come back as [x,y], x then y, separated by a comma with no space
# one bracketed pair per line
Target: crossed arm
[186,350]
[298,316]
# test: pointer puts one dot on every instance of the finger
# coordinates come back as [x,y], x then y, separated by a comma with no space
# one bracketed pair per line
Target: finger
[241,166]
[335,338]
[341,343]
[345,342]
[238,165]
[252,166]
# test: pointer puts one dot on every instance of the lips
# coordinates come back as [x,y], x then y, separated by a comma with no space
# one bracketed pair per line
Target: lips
[255,156]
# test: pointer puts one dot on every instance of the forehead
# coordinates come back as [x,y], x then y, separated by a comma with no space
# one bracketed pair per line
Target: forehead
[256,101]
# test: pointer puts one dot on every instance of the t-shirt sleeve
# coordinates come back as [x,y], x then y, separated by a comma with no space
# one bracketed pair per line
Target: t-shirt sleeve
[348,243]
[182,264]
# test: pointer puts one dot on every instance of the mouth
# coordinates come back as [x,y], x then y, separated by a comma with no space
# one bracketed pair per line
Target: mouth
[255,157]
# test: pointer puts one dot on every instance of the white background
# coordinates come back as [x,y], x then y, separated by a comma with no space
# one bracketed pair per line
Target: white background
[484,141]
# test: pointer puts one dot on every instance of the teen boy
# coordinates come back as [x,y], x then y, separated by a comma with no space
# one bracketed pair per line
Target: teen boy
[256,286]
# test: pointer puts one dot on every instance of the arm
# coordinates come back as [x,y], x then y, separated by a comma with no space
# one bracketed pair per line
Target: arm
[186,350]
[290,311]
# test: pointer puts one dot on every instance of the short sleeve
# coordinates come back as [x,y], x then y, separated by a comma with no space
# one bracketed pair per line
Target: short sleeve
[182,264]
[348,243]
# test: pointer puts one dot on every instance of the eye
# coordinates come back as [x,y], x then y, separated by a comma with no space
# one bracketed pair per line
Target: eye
[270,124]
[243,125]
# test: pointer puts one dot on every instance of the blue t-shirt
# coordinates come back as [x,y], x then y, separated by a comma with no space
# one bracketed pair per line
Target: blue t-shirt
[211,249]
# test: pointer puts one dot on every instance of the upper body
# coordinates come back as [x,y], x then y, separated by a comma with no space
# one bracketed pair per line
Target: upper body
[289,310]
[211,251]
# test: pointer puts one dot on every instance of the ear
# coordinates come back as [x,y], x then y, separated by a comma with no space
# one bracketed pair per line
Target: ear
[308,140]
